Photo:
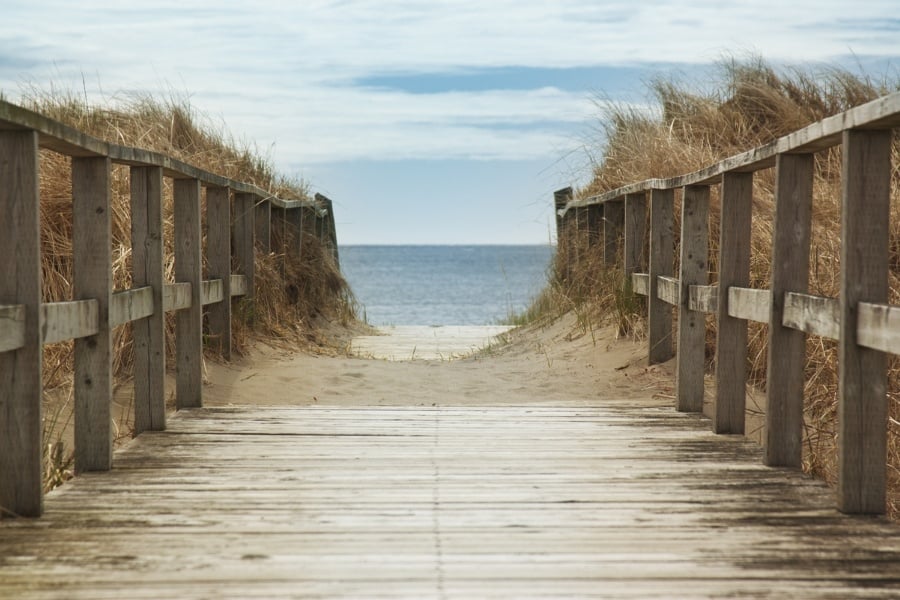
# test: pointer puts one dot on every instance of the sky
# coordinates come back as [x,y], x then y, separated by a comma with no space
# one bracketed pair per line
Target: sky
[426,122]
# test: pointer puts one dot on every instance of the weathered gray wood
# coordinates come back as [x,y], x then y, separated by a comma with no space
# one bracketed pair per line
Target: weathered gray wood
[636,242]
[131,305]
[879,327]
[560,199]
[263,225]
[694,266]
[189,321]
[749,304]
[64,321]
[734,271]
[238,285]
[20,369]
[147,269]
[595,227]
[294,218]
[177,296]
[613,223]
[640,283]
[704,298]
[218,258]
[307,226]
[212,292]
[862,393]
[668,289]
[12,327]
[91,256]
[244,229]
[814,315]
[662,263]
[790,273]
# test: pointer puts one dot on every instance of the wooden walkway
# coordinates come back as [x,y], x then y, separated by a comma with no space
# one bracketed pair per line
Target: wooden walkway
[616,500]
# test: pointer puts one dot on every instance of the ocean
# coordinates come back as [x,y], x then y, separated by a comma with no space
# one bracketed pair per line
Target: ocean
[444,285]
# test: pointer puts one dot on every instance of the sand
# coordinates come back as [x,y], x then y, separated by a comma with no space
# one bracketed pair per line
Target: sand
[560,362]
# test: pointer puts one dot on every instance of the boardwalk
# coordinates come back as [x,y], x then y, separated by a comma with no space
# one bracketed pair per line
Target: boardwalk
[572,496]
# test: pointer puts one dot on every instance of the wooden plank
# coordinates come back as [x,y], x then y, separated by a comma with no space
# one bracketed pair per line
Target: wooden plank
[294,218]
[131,305]
[177,296]
[734,271]
[668,289]
[244,229]
[147,270]
[211,291]
[862,372]
[662,259]
[560,199]
[814,315]
[218,257]
[704,298]
[189,321]
[879,327]
[263,225]
[238,285]
[65,321]
[92,258]
[640,283]
[749,304]
[12,327]
[786,346]
[636,242]
[613,223]
[21,448]
[694,267]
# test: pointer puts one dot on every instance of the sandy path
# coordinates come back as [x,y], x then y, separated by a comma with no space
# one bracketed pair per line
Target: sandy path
[557,363]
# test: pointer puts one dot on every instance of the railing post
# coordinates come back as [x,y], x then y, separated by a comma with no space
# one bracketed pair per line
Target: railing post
[329,234]
[790,273]
[147,270]
[734,270]
[189,321]
[218,257]
[307,225]
[560,199]
[243,237]
[20,370]
[862,396]
[662,256]
[294,217]
[91,257]
[635,233]
[694,266]
[263,225]
[613,223]
[595,226]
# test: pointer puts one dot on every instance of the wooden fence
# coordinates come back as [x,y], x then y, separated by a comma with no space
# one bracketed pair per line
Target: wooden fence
[238,215]
[864,325]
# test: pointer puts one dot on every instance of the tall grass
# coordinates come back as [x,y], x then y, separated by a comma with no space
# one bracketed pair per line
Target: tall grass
[686,128]
[291,295]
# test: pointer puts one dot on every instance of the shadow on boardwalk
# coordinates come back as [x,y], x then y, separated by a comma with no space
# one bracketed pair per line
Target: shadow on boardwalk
[539,471]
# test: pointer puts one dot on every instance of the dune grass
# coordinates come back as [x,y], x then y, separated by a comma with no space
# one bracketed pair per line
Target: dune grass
[291,295]
[685,129]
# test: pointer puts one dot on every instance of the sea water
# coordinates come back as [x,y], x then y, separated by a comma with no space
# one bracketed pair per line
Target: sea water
[444,285]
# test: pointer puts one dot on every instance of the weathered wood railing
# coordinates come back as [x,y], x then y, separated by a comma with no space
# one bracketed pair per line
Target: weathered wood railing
[864,326]
[27,323]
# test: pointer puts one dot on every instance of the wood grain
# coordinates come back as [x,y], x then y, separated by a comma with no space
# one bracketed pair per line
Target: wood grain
[20,369]
[244,229]
[218,259]
[189,321]
[662,263]
[613,224]
[749,304]
[862,372]
[92,269]
[636,242]
[147,270]
[814,315]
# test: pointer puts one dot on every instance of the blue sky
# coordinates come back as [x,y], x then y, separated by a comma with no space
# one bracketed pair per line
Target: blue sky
[431,121]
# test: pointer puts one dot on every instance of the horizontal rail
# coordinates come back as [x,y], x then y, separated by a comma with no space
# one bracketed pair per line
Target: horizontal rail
[239,285]
[640,283]
[668,289]
[882,113]
[879,327]
[749,304]
[12,327]
[63,321]
[211,291]
[814,315]
[130,305]
[703,298]
[176,296]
